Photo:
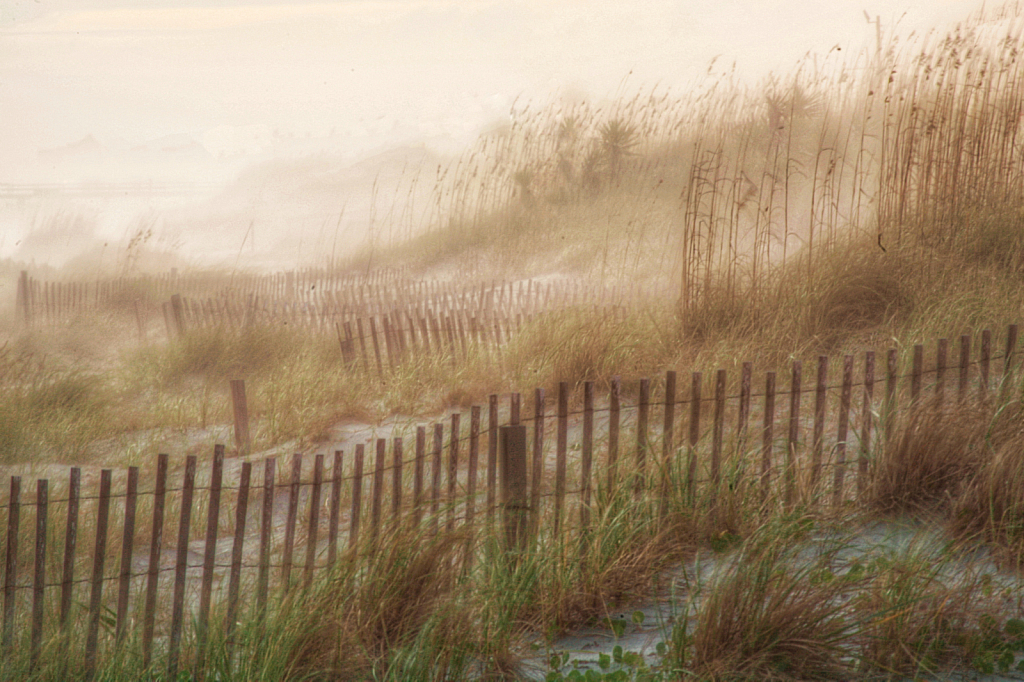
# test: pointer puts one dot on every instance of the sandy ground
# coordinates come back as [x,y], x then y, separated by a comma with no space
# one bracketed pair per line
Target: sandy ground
[683,585]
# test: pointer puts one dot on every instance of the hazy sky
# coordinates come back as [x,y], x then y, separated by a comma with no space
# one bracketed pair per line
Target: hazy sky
[258,77]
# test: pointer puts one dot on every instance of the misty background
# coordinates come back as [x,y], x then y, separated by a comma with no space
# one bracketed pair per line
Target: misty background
[272,134]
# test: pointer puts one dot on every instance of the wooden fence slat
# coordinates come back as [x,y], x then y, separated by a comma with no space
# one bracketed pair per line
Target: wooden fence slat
[844,421]
[240,410]
[266,535]
[155,550]
[210,552]
[916,372]
[181,568]
[743,418]
[492,456]
[794,434]
[941,358]
[767,435]
[561,451]
[453,470]
[378,488]
[691,455]
[397,454]
[291,522]
[818,438]
[417,479]
[642,409]
[866,414]
[237,547]
[586,454]
[127,550]
[332,530]
[538,457]
[514,404]
[1008,356]
[11,563]
[98,559]
[965,366]
[67,580]
[362,346]
[667,439]
[718,430]
[377,347]
[357,496]
[435,477]
[613,435]
[984,363]
[39,575]
[314,519]
[474,456]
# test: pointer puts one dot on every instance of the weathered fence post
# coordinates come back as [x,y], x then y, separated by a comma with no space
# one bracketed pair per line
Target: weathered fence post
[240,408]
[513,486]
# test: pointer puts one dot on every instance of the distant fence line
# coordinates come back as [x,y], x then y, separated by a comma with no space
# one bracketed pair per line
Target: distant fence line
[382,319]
[473,474]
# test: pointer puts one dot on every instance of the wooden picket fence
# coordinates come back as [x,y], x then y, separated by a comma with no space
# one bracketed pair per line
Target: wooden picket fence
[381,320]
[453,476]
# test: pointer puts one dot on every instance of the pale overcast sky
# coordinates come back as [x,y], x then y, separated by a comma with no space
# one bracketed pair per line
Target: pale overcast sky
[242,77]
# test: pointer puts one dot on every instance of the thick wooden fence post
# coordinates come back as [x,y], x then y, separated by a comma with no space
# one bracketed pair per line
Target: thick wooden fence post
[514,486]
[240,408]
[767,435]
